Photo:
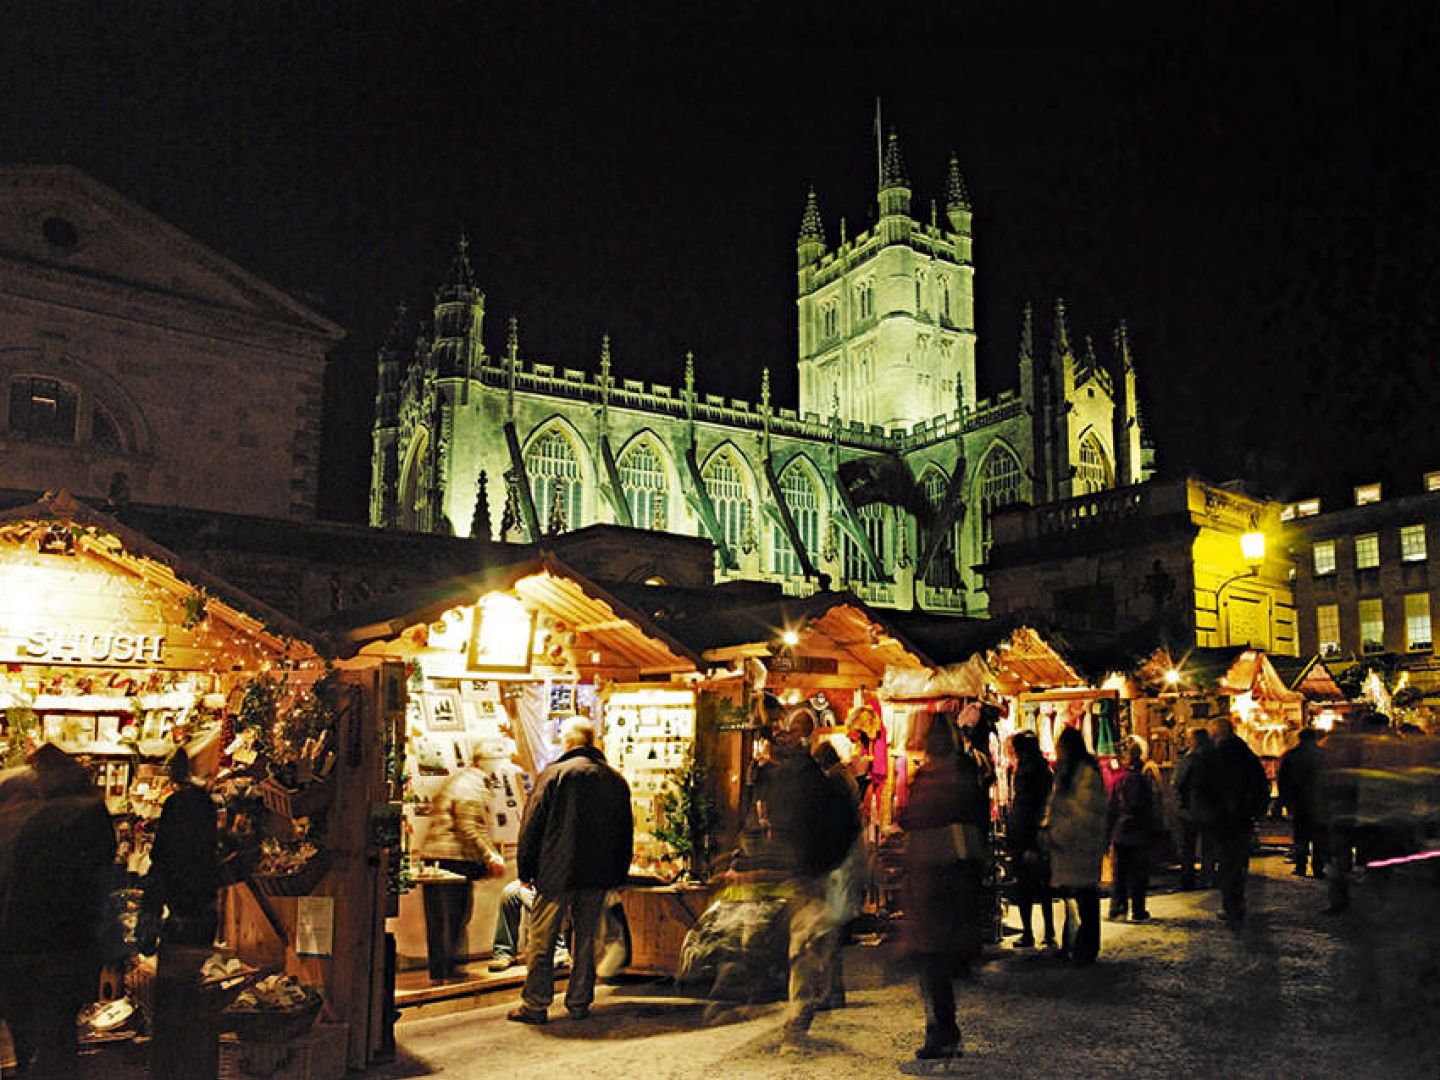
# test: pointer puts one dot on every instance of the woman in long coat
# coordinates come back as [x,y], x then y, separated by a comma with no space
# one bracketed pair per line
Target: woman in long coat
[941,891]
[1074,835]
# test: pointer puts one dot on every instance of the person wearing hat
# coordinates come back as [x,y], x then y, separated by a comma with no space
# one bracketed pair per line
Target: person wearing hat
[179,912]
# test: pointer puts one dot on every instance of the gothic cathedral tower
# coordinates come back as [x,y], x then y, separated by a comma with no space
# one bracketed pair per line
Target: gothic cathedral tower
[887,319]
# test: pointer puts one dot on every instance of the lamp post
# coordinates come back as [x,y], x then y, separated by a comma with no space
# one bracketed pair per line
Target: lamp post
[1252,549]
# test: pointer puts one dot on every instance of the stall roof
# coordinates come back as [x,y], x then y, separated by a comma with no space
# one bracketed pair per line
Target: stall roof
[136,553]
[1234,670]
[586,608]
[1019,656]
[1312,677]
[726,622]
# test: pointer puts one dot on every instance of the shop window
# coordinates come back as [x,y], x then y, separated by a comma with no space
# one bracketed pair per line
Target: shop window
[1323,554]
[798,490]
[642,478]
[42,409]
[1367,551]
[1417,621]
[1372,625]
[1412,543]
[1327,629]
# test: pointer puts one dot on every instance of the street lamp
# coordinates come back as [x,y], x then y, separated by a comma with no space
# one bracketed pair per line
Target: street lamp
[1252,550]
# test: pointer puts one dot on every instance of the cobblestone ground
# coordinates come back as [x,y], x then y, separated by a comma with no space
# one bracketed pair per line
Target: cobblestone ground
[1296,993]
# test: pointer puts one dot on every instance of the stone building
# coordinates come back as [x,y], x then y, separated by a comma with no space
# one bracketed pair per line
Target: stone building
[1363,584]
[1155,564]
[882,479]
[138,365]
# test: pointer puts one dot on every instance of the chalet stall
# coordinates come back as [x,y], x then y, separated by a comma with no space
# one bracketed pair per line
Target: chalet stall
[117,652]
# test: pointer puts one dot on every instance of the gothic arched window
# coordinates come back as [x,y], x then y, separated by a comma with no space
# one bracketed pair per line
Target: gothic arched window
[726,486]
[1092,473]
[875,520]
[1000,479]
[919,292]
[798,489]
[865,299]
[642,477]
[830,319]
[942,572]
[944,298]
[554,470]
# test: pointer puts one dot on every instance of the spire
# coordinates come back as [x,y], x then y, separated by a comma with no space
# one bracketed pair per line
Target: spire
[957,196]
[605,358]
[811,227]
[894,195]
[462,275]
[811,243]
[1060,344]
[1027,333]
[892,172]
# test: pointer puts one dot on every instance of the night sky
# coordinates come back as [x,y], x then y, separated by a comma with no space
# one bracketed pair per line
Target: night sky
[1255,187]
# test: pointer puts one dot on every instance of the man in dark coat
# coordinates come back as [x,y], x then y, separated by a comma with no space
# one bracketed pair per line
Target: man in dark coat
[1234,782]
[50,921]
[576,840]
[1197,825]
[1299,782]
[180,903]
[814,820]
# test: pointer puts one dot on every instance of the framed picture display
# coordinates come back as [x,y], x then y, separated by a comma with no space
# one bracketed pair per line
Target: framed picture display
[501,638]
[442,711]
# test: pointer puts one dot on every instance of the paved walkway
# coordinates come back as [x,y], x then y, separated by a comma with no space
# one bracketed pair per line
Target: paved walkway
[1296,994]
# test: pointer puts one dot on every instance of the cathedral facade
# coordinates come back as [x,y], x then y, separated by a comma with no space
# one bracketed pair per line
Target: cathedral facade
[881,480]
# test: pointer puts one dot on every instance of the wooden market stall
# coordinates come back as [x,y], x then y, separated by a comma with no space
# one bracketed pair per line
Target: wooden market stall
[117,651]
[496,662]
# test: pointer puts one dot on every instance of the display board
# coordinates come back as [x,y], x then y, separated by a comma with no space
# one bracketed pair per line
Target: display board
[647,734]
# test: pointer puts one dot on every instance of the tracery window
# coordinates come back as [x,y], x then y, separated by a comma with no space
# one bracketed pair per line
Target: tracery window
[875,521]
[642,478]
[798,489]
[942,573]
[1093,473]
[865,299]
[1000,479]
[728,495]
[554,471]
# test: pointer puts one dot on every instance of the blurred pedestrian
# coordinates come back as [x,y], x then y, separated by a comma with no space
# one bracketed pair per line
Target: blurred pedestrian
[576,840]
[179,909]
[1197,817]
[816,821]
[19,795]
[457,839]
[1236,784]
[52,931]
[1299,783]
[1029,792]
[1073,834]
[942,882]
[1133,825]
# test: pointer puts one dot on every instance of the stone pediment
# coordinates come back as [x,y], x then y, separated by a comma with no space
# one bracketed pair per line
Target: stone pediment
[57,222]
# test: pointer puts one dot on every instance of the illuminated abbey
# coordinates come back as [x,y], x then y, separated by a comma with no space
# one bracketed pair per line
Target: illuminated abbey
[880,479]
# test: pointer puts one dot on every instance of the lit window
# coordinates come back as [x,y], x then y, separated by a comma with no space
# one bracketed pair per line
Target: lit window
[728,496]
[1366,494]
[1417,621]
[1302,509]
[42,409]
[798,490]
[1372,626]
[1324,552]
[1432,481]
[1412,543]
[642,478]
[1367,551]
[1092,474]
[1327,629]
[554,470]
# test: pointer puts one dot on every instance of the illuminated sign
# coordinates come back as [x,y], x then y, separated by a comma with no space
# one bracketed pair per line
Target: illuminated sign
[77,647]
[502,635]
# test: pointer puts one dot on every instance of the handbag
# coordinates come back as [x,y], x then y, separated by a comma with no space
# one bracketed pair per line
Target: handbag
[942,844]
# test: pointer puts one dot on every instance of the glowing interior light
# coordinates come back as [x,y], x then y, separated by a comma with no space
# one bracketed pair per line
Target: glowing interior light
[790,638]
[1172,677]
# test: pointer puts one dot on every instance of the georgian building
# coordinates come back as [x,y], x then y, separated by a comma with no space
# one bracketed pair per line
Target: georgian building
[882,479]
[140,366]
